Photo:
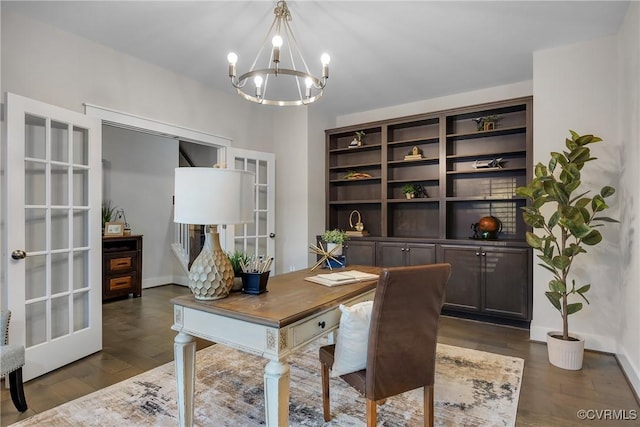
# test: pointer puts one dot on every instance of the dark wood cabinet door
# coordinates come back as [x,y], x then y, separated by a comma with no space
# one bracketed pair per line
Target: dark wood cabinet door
[419,254]
[390,254]
[360,253]
[506,275]
[463,288]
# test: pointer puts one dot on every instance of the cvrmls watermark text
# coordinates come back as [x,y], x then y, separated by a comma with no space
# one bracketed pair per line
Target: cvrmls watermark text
[607,414]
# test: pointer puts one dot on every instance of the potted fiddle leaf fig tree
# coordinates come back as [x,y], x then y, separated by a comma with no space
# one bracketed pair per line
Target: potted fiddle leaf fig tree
[565,220]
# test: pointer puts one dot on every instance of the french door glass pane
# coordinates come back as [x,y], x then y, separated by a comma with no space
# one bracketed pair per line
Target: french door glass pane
[59,228]
[35,137]
[80,311]
[262,197]
[35,183]
[80,146]
[59,142]
[80,228]
[80,269]
[59,185]
[35,229]
[251,247]
[262,223]
[262,246]
[59,316]
[251,165]
[36,323]
[35,285]
[80,187]
[59,273]
[251,228]
[239,163]
[262,172]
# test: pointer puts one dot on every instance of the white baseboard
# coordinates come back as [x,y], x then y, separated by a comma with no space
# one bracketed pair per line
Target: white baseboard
[152,282]
[631,372]
[591,341]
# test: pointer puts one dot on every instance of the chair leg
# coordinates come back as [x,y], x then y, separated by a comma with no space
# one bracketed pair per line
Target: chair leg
[17,390]
[428,405]
[325,393]
[372,416]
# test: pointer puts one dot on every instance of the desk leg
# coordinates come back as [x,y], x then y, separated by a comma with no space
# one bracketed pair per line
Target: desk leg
[184,350]
[276,393]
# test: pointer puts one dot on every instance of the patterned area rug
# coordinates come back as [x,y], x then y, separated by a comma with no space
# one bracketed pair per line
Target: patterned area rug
[472,388]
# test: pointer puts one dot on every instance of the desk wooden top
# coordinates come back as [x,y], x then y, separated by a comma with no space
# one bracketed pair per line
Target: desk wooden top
[288,299]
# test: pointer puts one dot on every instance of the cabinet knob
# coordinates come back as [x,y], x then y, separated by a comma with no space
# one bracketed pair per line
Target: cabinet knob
[322,324]
[402,249]
[484,254]
[408,249]
[477,253]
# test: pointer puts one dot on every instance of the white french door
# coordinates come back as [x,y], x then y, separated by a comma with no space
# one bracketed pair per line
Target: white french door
[257,238]
[52,227]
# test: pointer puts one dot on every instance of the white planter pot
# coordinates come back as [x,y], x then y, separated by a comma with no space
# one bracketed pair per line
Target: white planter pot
[338,251]
[565,354]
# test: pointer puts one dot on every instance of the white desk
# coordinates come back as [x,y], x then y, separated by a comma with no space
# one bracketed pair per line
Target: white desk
[273,325]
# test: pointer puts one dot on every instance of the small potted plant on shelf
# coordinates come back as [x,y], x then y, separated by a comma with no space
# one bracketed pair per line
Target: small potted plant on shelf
[561,234]
[411,190]
[237,259]
[334,239]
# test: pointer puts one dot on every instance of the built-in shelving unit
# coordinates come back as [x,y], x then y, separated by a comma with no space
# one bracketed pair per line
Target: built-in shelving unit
[466,170]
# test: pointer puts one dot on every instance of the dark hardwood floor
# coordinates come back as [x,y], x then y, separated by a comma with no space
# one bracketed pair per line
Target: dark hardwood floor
[137,337]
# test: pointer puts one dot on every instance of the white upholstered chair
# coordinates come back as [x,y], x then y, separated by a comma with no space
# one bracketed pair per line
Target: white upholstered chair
[11,362]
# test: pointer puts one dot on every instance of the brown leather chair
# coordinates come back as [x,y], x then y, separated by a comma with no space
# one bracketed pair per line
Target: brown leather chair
[401,354]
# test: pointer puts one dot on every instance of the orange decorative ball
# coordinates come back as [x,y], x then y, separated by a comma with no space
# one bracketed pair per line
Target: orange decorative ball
[489,224]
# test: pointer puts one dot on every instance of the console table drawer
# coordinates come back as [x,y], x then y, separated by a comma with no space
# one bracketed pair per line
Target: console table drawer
[316,326]
[122,263]
[122,283]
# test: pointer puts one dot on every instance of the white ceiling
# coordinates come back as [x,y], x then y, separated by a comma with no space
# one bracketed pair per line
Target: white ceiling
[383,53]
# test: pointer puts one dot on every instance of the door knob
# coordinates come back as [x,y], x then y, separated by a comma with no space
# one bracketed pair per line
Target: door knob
[18,254]
[272,235]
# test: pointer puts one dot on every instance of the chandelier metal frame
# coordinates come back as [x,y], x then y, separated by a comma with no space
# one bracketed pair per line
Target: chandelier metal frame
[313,86]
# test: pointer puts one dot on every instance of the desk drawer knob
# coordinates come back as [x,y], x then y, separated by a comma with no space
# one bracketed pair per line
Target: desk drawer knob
[322,324]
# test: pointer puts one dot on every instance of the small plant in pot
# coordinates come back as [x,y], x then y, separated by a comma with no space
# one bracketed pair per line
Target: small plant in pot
[237,259]
[411,191]
[334,239]
[562,233]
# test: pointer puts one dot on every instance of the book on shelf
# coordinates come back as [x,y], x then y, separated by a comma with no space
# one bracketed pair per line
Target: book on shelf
[341,278]
[353,233]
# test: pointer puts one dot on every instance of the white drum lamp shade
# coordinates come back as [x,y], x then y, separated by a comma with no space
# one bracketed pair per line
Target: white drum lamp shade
[212,196]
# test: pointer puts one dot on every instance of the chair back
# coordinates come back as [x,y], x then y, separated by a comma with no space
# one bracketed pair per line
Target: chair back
[403,332]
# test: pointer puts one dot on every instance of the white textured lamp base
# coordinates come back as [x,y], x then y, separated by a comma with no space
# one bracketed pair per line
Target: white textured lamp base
[211,274]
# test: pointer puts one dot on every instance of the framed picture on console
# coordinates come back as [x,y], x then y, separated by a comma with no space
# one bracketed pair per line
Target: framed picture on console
[114,229]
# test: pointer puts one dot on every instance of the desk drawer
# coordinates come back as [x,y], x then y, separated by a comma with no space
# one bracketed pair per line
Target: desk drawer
[316,326]
[122,283]
[121,262]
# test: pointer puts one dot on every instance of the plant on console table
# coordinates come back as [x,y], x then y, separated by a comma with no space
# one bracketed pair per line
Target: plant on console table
[237,259]
[335,239]
[561,234]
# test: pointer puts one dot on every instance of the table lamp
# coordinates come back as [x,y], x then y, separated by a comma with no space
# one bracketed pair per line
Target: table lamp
[212,197]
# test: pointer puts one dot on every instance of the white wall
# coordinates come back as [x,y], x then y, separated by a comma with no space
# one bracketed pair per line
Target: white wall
[142,185]
[628,335]
[575,87]
[497,93]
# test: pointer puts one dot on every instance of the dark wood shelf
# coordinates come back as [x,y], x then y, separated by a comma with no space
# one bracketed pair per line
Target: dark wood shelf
[486,133]
[355,149]
[404,181]
[356,166]
[484,198]
[355,202]
[418,200]
[486,170]
[350,181]
[414,141]
[494,154]
[412,162]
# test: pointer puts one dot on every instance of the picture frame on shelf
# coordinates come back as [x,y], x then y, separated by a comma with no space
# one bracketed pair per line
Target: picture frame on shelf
[114,229]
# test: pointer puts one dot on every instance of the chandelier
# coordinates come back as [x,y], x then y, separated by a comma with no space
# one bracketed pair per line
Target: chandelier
[281,83]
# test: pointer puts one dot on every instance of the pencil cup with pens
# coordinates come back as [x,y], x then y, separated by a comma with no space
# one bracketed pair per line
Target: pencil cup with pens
[255,275]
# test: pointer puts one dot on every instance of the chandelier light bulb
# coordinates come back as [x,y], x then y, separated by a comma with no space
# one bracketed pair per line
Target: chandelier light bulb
[325,59]
[258,81]
[232,58]
[276,41]
[308,82]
